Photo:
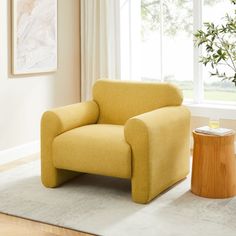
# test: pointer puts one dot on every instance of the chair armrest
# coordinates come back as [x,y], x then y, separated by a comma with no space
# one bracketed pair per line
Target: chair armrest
[160,146]
[55,122]
[62,119]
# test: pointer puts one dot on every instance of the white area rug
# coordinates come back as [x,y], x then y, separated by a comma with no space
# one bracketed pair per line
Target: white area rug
[103,206]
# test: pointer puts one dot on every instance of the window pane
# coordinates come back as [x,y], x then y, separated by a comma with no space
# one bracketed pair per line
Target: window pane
[167,42]
[150,44]
[178,44]
[214,88]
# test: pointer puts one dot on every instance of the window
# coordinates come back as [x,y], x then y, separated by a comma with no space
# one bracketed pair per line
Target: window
[214,88]
[166,42]
[166,51]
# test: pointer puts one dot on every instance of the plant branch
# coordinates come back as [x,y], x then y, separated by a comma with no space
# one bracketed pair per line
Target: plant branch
[226,62]
[227,51]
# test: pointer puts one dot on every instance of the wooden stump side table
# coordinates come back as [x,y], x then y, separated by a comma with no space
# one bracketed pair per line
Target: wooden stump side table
[214,166]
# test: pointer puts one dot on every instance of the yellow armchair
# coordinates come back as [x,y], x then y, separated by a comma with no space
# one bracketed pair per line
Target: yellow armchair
[133,130]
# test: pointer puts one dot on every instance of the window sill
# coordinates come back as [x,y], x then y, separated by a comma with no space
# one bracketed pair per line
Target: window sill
[209,110]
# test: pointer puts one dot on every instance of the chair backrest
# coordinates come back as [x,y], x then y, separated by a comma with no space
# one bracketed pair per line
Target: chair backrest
[120,100]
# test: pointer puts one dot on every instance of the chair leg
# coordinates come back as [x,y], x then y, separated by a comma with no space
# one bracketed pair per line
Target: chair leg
[140,191]
[52,177]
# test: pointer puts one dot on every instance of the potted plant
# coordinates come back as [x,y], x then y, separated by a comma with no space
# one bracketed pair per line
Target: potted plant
[219,42]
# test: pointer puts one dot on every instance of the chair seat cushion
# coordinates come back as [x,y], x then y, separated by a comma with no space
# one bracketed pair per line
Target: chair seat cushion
[98,149]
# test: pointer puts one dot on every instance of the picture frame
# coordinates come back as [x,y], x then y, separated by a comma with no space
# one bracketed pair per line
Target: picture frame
[34,36]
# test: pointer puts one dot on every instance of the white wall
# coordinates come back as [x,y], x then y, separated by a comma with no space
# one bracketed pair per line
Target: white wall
[24,99]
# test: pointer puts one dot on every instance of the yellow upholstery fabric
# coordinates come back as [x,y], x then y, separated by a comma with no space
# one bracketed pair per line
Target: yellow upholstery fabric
[94,149]
[160,149]
[55,122]
[130,130]
[120,100]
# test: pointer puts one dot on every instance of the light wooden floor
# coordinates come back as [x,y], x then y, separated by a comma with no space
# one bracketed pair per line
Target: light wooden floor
[15,226]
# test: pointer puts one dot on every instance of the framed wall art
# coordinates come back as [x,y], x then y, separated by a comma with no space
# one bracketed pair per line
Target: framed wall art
[34,36]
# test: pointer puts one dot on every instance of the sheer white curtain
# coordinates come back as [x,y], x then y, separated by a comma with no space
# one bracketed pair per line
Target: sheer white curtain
[100,42]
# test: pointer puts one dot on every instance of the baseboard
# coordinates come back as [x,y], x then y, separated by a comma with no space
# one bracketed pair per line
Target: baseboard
[19,152]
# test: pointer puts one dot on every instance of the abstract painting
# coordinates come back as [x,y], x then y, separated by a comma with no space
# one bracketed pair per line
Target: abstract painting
[34,36]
